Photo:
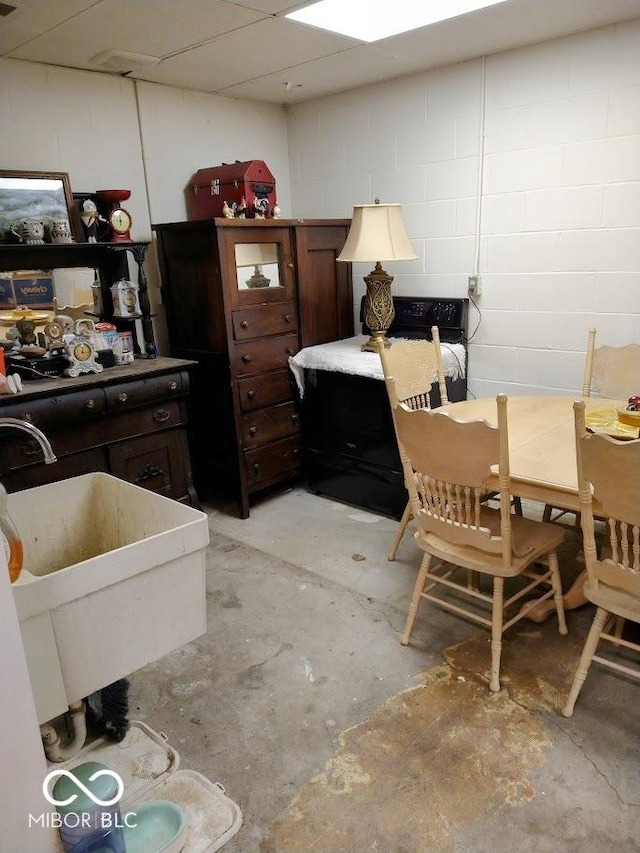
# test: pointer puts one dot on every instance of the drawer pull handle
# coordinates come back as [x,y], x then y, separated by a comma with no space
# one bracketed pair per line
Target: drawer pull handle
[91,404]
[123,397]
[288,318]
[294,418]
[173,386]
[251,395]
[252,430]
[290,350]
[256,467]
[161,416]
[296,451]
[147,473]
[290,265]
[244,325]
[246,359]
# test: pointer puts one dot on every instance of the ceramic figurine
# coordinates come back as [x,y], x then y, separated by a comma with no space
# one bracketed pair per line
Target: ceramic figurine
[91,219]
[227,212]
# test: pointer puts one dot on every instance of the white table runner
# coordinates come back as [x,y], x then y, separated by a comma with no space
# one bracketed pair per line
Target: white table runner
[346,357]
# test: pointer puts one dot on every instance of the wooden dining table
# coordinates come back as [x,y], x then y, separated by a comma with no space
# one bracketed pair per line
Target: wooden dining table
[542,459]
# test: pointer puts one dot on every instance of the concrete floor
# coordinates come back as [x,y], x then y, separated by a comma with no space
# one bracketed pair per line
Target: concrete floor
[304,616]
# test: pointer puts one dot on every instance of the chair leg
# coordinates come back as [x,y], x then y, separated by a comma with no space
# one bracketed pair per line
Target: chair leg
[497,613]
[556,583]
[590,646]
[402,526]
[416,599]
[517,505]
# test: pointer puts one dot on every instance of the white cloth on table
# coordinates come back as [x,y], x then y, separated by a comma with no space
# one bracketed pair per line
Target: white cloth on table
[346,357]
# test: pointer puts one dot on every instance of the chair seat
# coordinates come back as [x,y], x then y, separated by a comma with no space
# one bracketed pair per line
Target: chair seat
[530,540]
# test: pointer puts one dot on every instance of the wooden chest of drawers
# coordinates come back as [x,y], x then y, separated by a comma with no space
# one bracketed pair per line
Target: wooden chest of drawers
[243,335]
[128,421]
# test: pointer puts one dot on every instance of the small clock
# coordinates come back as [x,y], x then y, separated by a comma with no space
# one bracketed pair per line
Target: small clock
[125,298]
[54,332]
[120,221]
[81,355]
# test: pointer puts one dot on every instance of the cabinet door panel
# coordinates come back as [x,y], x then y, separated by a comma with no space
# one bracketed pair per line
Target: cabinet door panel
[155,462]
[325,295]
[262,355]
[256,392]
[271,424]
[249,240]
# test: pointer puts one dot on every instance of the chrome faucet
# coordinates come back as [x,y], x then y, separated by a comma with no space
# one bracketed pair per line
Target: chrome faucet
[40,437]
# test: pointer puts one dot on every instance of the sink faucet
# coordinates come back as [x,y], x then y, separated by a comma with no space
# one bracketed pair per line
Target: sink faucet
[40,437]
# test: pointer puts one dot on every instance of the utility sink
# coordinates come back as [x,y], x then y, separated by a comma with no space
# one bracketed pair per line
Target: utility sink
[113,579]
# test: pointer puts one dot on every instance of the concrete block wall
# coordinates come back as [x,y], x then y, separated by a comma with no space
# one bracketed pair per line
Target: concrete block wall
[523,167]
[107,131]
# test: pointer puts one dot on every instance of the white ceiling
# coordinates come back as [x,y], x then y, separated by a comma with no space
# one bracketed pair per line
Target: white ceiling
[247,49]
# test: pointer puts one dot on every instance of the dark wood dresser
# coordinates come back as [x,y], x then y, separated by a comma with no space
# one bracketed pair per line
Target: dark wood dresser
[241,297]
[129,421]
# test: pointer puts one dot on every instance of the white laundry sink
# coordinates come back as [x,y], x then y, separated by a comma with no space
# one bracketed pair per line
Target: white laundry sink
[113,578]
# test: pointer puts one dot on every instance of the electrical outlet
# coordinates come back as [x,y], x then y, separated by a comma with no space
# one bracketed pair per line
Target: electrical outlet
[475,285]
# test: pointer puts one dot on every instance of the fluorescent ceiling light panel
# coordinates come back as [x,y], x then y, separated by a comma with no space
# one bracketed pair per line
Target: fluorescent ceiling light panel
[370,20]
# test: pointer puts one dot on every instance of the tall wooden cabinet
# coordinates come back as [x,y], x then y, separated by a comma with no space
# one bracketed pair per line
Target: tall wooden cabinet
[241,297]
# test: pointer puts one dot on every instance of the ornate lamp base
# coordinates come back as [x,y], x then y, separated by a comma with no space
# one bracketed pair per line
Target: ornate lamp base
[378,307]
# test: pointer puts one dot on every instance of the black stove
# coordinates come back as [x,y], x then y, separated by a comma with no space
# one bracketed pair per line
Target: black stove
[415,315]
[351,453]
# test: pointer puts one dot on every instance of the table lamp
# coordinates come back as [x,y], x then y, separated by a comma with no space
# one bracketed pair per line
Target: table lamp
[377,233]
[256,255]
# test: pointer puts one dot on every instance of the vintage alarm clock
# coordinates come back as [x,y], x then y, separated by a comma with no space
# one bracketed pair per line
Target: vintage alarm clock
[81,356]
[125,298]
[120,221]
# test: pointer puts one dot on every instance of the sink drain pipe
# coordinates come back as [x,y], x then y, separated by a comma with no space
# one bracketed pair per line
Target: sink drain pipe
[54,749]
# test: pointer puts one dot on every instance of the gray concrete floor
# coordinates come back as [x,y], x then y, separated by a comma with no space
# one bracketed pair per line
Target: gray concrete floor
[304,619]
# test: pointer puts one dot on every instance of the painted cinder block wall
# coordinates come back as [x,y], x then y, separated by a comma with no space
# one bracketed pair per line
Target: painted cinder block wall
[525,168]
[108,131]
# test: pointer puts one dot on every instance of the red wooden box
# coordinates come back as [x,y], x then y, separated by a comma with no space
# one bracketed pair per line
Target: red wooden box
[250,183]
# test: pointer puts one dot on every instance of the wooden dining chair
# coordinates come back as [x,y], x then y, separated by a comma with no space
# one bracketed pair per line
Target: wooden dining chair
[446,464]
[609,479]
[410,368]
[614,373]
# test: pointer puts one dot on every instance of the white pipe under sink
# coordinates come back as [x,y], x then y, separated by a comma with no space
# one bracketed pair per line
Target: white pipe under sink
[54,749]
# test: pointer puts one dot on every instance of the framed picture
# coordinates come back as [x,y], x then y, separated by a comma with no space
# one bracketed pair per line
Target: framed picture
[36,197]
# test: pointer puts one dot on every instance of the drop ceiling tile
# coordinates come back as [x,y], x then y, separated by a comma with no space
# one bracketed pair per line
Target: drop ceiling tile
[33,17]
[275,44]
[153,27]
[359,66]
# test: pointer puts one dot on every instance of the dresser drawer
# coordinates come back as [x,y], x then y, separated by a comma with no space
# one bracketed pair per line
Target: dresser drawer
[277,319]
[266,425]
[86,462]
[128,395]
[21,449]
[56,411]
[266,354]
[272,463]
[255,392]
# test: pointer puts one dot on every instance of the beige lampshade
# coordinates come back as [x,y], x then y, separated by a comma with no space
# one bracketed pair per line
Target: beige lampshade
[256,254]
[377,233]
